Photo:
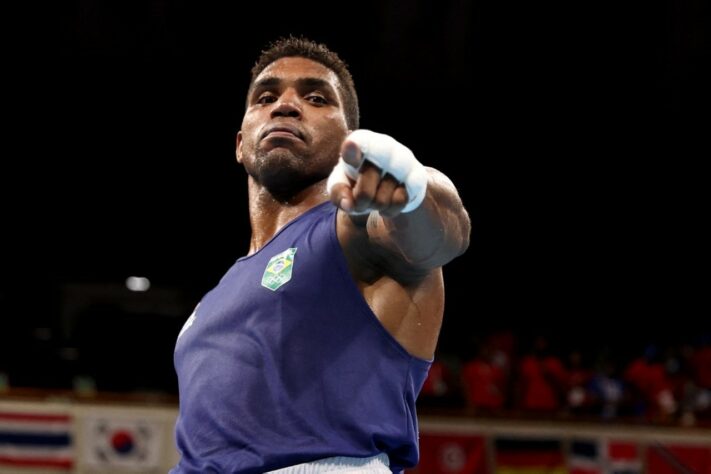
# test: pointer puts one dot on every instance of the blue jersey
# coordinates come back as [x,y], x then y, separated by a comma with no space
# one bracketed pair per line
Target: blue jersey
[284,363]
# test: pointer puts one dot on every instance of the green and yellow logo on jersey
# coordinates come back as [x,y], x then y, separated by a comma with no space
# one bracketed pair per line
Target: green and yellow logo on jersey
[278,271]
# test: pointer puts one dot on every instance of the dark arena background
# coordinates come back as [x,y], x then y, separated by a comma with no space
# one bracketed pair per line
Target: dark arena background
[574,131]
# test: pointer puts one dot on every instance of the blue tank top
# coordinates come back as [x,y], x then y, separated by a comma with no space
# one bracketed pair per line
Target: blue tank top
[284,363]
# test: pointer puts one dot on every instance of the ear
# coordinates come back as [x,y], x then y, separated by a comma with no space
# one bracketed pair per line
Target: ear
[238,150]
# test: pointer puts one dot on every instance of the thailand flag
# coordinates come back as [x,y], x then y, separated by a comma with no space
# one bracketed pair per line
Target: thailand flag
[35,440]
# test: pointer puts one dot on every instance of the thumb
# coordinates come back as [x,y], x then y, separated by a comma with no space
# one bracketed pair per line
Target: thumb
[340,187]
[342,196]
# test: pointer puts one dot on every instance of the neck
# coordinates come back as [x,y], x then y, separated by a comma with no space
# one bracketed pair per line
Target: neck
[267,214]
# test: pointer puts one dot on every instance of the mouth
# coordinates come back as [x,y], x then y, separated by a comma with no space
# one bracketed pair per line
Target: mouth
[282,131]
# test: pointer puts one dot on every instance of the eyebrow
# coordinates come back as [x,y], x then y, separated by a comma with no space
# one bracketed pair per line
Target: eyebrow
[303,82]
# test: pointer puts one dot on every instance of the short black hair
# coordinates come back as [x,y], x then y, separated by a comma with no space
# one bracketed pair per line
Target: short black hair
[293,46]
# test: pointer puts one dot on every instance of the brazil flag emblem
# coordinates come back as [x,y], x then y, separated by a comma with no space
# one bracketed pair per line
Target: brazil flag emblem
[278,271]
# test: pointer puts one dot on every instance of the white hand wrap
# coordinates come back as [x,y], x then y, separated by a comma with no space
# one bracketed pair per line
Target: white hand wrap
[392,158]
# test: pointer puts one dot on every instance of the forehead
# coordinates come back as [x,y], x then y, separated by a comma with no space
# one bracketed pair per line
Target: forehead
[293,68]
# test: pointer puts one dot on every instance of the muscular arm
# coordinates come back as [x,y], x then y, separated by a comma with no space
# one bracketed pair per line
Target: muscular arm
[396,257]
[431,235]
[425,238]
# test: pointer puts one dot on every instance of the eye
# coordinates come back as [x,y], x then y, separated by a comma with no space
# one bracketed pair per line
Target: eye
[266,98]
[316,99]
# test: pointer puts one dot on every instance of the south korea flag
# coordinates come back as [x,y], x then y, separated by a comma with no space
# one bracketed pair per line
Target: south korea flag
[127,444]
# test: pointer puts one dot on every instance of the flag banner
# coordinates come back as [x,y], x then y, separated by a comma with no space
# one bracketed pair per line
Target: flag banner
[678,459]
[451,454]
[128,444]
[622,457]
[529,456]
[585,457]
[36,440]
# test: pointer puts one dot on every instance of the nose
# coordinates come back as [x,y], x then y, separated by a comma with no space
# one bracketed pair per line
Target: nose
[287,105]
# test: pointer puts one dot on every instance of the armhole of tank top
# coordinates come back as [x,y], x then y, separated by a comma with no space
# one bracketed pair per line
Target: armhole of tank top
[362,303]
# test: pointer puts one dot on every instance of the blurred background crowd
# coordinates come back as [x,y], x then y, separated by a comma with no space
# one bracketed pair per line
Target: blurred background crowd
[535,375]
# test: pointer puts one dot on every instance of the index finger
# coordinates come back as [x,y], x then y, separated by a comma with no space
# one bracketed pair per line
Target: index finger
[351,154]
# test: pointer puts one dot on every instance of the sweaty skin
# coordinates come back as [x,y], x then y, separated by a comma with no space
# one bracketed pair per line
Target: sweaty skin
[293,131]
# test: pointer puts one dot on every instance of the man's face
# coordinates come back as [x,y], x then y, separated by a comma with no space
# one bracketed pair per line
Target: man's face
[293,127]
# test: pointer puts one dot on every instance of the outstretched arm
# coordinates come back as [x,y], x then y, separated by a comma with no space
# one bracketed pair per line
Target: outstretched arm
[410,212]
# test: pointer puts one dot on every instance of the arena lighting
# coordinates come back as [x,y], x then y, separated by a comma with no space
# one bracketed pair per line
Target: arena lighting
[135,283]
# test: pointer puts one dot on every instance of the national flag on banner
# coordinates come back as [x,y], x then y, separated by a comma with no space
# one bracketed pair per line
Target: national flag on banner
[451,454]
[622,457]
[130,444]
[585,457]
[529,456]
[35,441]
[676,458]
